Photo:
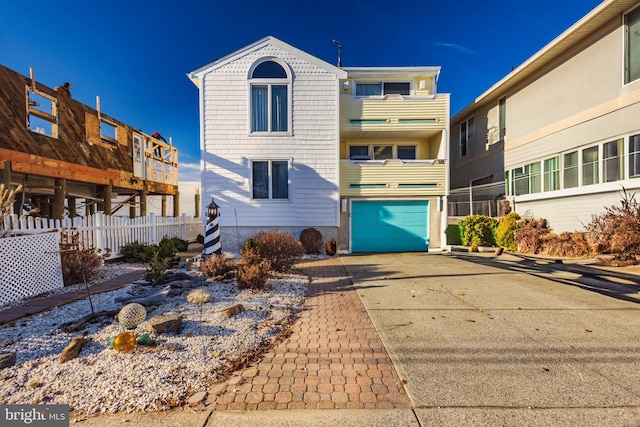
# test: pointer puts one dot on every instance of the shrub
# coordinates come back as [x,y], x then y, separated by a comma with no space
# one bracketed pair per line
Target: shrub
[217,265]
[79,266]
[617,230]
[137,252]
[134,252]
[157,268]
[253,271]
[281,249]
[79,263]
[565,245]
[453,234]
[179,244]
[477,230]
[528,234]
[505,231]
[311,240]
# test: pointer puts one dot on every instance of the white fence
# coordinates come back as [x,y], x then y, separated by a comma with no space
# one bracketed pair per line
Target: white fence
[108,233]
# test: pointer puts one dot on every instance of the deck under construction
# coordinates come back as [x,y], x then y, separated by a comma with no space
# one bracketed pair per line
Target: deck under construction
[72,159]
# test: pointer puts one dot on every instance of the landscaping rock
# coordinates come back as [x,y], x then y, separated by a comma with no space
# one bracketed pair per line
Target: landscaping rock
[197,398]
[199,296]
[7,359]
[164,323]
[233,310]
[73,349]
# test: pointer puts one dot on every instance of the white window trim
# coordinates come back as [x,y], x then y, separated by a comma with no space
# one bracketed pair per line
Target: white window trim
[394,146]
[381,82]
[270,199]
[270,82]
[625,48]
[601,186]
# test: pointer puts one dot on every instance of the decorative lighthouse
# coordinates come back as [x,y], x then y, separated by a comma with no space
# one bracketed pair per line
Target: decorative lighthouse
[212,243]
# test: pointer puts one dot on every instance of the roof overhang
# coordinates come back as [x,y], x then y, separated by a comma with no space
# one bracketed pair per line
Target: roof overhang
[602,14]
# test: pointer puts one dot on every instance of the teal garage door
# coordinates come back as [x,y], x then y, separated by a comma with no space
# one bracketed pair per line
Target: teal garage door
[390,226]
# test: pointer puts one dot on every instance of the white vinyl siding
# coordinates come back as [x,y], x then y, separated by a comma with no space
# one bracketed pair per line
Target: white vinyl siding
[311,148]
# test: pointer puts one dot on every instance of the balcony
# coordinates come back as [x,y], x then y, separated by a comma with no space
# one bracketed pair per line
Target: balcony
[393,116]
[379,178]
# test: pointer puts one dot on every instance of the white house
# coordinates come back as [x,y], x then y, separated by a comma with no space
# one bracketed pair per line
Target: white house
[269,140]
[289,141]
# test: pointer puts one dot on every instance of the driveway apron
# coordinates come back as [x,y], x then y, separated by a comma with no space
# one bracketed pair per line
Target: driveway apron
[480,340]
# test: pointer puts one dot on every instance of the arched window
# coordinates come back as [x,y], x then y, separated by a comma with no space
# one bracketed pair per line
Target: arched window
[269,83]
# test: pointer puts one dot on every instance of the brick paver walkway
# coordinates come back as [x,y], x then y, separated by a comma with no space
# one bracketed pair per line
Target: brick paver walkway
[333,359]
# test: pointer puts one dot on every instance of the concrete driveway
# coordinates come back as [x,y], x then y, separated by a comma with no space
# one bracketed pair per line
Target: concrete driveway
[485,340]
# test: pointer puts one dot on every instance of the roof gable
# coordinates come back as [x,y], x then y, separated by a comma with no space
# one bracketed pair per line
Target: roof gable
[257,45]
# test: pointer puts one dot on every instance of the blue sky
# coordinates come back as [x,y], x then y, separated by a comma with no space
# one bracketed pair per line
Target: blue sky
[135,54]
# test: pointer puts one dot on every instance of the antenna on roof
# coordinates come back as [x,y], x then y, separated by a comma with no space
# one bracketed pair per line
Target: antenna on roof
[339,52]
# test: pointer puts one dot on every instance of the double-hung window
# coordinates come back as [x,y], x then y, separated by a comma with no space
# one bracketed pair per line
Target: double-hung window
[270,179]
[551,174]
[632,45]
[270,87]
[590,166]
[613,160]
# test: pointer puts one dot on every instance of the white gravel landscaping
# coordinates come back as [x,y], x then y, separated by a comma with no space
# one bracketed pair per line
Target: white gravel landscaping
[103,380]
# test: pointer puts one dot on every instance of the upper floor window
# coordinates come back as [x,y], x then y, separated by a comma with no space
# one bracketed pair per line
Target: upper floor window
[270,85]
[385,88]
[632,45]
[502,119]
[466,132]
[42,113]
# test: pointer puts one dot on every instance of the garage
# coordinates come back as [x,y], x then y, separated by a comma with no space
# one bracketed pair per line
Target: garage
[390,226]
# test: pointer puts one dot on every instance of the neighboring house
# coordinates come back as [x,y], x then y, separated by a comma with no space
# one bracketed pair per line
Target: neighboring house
[66,154]
[289,141]
[560,134]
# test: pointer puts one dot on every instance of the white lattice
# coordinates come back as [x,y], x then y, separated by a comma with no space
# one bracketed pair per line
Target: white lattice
[29,265]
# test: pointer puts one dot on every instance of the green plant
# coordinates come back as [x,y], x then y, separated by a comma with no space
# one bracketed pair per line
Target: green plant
[137,252]
[156,270]
[281,249]
[200,239]
[134,252]
[311,240]
[477,230]
[453,234]
[505,230]
[179,244]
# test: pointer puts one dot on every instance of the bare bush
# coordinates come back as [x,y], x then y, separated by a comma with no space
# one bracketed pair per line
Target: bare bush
[217,265]
[311,240]
[528,234]
[281,249]
[617,230]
